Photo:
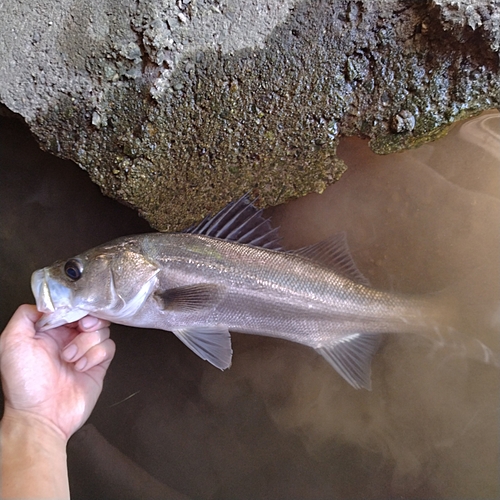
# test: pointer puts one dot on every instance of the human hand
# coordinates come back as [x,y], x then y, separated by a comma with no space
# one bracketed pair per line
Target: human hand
[53,376]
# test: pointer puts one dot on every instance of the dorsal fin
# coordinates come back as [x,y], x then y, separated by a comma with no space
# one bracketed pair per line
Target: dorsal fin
[334,253]
[242,222]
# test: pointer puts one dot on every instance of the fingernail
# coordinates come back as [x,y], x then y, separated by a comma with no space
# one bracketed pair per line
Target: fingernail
[89,322]
[81,364]
[70,352]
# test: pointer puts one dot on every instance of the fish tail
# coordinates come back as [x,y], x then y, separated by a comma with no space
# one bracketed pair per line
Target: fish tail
[463,345]
[466,326]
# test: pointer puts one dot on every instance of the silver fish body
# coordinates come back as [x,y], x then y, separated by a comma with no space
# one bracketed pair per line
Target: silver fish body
[202,287]
[265,292]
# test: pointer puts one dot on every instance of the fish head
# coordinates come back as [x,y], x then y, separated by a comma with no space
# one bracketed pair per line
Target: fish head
[110,282]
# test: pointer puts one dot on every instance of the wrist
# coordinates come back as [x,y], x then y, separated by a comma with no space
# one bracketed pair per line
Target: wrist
[32,426]
[32,458]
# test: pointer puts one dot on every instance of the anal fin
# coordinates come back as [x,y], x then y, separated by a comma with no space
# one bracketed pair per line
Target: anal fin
[351,357]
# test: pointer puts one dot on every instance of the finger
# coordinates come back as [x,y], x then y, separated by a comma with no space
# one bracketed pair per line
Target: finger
[22,323]
[101,354]
[83,342]
[90,323]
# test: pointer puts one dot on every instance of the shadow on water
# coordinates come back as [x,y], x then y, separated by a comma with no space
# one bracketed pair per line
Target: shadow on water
[281,423]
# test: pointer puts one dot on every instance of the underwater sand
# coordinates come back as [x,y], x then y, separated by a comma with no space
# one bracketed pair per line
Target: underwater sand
[281,423]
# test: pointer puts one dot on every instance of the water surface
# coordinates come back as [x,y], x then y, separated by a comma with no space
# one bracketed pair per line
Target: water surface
[281,423]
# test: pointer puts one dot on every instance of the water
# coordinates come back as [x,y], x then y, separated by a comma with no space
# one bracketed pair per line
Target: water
[281,423]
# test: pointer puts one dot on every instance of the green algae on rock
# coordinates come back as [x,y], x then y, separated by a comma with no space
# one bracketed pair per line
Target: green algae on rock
[176,108]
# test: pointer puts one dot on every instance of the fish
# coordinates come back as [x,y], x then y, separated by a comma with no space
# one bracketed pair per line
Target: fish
[229,273]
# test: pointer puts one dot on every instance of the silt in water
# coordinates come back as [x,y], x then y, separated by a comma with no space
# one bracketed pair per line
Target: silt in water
[281,423]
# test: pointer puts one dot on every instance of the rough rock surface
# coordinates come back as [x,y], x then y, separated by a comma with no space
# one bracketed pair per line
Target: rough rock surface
[177,107]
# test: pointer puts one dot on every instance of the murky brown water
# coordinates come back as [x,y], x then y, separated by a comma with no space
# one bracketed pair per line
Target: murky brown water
[281,423]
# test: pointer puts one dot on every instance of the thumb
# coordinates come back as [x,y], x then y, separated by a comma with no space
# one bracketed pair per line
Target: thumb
[22,323]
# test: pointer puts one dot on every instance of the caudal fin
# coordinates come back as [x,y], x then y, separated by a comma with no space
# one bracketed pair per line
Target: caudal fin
[463,345]
[465,321]
[452,320]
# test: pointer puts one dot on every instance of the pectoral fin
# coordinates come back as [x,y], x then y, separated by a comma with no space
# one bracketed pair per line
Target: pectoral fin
[190,298]
[211,343]
[351,357]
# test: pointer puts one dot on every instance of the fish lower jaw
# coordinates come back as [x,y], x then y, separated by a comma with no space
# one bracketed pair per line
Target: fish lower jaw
[41,292]
[58,318]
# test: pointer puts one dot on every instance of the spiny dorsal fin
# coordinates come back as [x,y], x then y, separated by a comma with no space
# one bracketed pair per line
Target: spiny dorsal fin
[242,222]
[352,356]
[334,253]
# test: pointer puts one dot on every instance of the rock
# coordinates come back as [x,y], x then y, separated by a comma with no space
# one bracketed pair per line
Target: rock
[175,108]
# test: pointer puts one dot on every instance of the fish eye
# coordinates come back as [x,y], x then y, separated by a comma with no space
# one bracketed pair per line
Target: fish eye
[73,269]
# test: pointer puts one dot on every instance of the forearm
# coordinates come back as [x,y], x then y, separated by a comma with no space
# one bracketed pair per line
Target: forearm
[33,459]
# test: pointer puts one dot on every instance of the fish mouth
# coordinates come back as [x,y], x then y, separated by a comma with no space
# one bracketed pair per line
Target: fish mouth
[59,317]
[52,316]
[41,291]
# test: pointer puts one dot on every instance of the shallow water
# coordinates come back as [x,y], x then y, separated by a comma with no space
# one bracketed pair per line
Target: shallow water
[281,423]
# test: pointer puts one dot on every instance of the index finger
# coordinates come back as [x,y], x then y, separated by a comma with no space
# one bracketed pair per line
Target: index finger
[91,323]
